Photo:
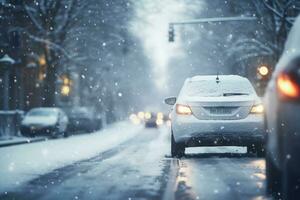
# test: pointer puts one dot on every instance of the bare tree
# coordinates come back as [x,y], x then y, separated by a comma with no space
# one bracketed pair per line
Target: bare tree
[275,18]
[51,21]
[100,42]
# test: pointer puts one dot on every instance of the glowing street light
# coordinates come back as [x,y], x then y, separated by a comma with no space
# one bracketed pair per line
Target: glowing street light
[42,60]
[141,115]
[66,86]
[263,70]
[160,115]
[147,115]
[65,90]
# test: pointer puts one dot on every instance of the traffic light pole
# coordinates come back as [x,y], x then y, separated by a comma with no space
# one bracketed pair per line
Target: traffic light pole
[214,19]
[205,20]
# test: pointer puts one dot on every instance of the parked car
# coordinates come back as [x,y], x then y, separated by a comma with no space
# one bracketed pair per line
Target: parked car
[82,119]
[50,122]
[216,111]
[282,117]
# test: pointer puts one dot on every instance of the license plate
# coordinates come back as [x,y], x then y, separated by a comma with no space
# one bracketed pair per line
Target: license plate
[221,110]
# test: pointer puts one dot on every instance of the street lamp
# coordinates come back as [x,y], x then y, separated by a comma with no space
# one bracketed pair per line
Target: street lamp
[7,61]
[42,61]
[65,90]
[66,86]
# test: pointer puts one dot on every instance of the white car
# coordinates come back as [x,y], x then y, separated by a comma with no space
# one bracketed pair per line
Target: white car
[216,111]
[282,117]
[45,121]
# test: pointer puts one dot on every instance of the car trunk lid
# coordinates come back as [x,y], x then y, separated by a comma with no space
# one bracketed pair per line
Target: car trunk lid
[221,108]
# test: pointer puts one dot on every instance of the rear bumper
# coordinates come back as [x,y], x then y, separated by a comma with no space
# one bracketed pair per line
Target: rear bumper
[150,124]
[195,132]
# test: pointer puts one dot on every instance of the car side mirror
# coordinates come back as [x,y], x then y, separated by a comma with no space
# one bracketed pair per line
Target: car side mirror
[170,101]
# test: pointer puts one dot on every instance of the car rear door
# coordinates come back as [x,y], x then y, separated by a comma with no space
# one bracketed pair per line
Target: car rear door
[221,108]
[220,100]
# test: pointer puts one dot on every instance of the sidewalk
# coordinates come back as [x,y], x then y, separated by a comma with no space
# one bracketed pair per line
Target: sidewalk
[18,140]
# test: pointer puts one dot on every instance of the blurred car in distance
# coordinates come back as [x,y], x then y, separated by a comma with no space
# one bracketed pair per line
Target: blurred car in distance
[50,122]
[82,119]
[282,117]
[150,120]
[216,111]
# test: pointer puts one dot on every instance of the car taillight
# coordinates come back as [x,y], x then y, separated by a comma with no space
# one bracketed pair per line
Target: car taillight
[287,86]
[257,109]
[183,109]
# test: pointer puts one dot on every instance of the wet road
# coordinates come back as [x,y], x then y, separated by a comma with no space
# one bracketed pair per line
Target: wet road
[142,169]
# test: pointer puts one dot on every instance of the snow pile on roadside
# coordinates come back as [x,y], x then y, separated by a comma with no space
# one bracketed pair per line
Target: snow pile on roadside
[19,164]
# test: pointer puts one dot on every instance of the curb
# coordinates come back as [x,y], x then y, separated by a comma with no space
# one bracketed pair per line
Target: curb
[25,141]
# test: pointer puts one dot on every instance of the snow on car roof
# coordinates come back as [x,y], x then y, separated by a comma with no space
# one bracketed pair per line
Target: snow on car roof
[207,86]
[292,47]
[46,108]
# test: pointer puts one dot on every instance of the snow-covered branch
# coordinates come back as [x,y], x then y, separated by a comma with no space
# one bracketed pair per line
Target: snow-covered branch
[282,16]
[37,24]
[50,44]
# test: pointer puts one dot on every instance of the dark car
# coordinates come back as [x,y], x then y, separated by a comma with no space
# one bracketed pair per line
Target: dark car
[150,120]
[151,123]
[82,119]
[44,121]
[282,117]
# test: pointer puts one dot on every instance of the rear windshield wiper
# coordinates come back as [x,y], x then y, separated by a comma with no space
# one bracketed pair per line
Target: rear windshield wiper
[234,94]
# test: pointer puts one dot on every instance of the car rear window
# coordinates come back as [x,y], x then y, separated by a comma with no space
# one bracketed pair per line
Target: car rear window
[210,88]
[42,113]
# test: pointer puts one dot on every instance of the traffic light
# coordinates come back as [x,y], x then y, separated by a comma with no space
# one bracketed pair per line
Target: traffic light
[263,75]
[171,33]
[263,72]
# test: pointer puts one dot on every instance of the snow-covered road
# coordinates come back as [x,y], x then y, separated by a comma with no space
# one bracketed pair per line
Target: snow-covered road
[133,164]
[19,164]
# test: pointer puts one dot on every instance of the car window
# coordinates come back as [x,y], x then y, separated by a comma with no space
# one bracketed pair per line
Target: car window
[210,88]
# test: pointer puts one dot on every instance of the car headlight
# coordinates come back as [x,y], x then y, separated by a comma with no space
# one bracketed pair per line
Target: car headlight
[183,109]
[257,109]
